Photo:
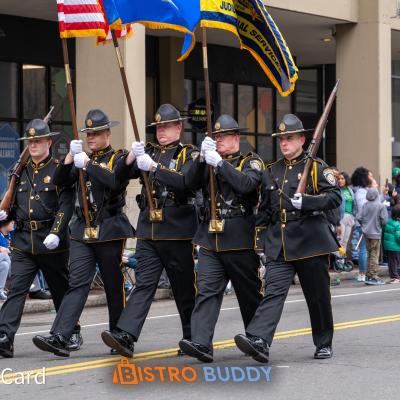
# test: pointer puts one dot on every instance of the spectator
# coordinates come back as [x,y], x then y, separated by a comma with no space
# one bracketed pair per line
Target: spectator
[349,209]
[391,244]
[373,217]
[361,180]
[6,227]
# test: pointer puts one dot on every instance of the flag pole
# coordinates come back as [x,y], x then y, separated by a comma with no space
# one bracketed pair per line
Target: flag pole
[155,214]
[70,92]
[216,225]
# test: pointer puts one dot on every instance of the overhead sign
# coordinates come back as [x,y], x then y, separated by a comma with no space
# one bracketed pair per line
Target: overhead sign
[198,114]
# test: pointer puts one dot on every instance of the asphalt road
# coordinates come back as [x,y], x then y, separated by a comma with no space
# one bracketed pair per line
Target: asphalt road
[366,363]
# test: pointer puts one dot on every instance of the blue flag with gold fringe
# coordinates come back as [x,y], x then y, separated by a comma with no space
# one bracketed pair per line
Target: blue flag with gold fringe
[179,15]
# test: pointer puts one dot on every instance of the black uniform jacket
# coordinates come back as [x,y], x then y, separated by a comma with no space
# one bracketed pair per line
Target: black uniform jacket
[282,228]
[237,182]
[40,207]
[106,193]
[170,193]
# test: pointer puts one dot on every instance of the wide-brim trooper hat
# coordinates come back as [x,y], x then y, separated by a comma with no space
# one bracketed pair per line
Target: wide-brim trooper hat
[227,125]
[167,113]
[290,124]
[97,120]
[37,129]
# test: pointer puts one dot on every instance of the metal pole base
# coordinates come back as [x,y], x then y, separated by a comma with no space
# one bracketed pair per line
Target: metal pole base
[91,233]
[156,215]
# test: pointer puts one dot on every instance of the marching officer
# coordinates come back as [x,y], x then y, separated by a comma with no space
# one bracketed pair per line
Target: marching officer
[227,254]
[104,242]
[293,232]
[164,233]
[41,210]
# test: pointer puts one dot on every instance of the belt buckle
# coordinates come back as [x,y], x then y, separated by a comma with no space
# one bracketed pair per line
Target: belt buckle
[33,225]
[283,217]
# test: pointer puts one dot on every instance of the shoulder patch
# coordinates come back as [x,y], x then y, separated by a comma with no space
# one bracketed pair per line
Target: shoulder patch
[329,176]
[194,154]
[256,164]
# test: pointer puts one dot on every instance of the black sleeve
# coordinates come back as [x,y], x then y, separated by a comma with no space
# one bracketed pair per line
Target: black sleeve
[65,175]
[175,180]
[264,212]
[245,181]
[126,172]
[66,203]
[197,175]
[106,173]
[329,196]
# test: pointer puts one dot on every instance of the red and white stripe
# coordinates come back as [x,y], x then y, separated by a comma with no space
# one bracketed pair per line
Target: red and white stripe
[79,18]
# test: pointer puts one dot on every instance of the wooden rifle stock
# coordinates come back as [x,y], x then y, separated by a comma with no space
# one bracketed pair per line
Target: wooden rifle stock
[316,140]
[17,172]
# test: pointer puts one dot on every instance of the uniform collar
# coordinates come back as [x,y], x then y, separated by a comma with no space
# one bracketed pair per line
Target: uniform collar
[295,160]
[42,163]
[102,151]
[231,157]
[172,145]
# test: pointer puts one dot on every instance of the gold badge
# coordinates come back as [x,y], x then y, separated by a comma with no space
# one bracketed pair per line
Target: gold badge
[157,117]
[256,164]
[89,123]
[32,131]
[217,126]
[282,127]
[47,179]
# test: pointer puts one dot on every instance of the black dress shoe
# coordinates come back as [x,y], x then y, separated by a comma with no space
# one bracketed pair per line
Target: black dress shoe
[254,346]
[323,353]
[6,346]
[196,350]
[75,342]
[55,344]
[122,342]
[40,295]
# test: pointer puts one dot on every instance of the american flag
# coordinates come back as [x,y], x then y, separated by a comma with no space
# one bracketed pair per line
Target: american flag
[80,18]
[121,31]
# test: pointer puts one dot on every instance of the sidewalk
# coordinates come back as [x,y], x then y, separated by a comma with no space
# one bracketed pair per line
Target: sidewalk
[97,297]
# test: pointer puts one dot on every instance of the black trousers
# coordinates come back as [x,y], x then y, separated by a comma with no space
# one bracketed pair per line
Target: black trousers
[176,256]
[315,282]
[24,267]
[394,264]
[214,271]
[82,269]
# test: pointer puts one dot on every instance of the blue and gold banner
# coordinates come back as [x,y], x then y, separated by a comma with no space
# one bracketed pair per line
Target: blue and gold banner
[257,33]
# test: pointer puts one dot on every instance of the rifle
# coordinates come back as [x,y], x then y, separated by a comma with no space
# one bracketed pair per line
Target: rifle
[316,140]
[17,172]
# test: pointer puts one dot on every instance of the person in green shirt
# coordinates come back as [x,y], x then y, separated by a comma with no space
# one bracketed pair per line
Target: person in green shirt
[391,243]
[348,209]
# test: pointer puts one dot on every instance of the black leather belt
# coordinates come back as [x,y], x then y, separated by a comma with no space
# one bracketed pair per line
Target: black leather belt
[34,225]
[294,215]
[106,213]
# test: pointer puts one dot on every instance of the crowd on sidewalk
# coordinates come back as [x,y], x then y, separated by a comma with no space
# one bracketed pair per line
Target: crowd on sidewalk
[369,228]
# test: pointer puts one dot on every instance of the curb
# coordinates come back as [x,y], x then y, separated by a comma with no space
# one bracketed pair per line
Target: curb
[99,299]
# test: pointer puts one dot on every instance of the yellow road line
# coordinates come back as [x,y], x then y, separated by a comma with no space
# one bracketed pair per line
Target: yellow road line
[165,353]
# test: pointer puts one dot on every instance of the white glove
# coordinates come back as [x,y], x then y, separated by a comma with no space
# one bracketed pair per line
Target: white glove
[75,147]
[297,201]
[212,158]
[52,241]
[146,163]
[3,215]
[207,144]
[81,159]
[138,148]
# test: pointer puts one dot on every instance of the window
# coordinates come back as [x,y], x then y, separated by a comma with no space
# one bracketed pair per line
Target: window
[27,91]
